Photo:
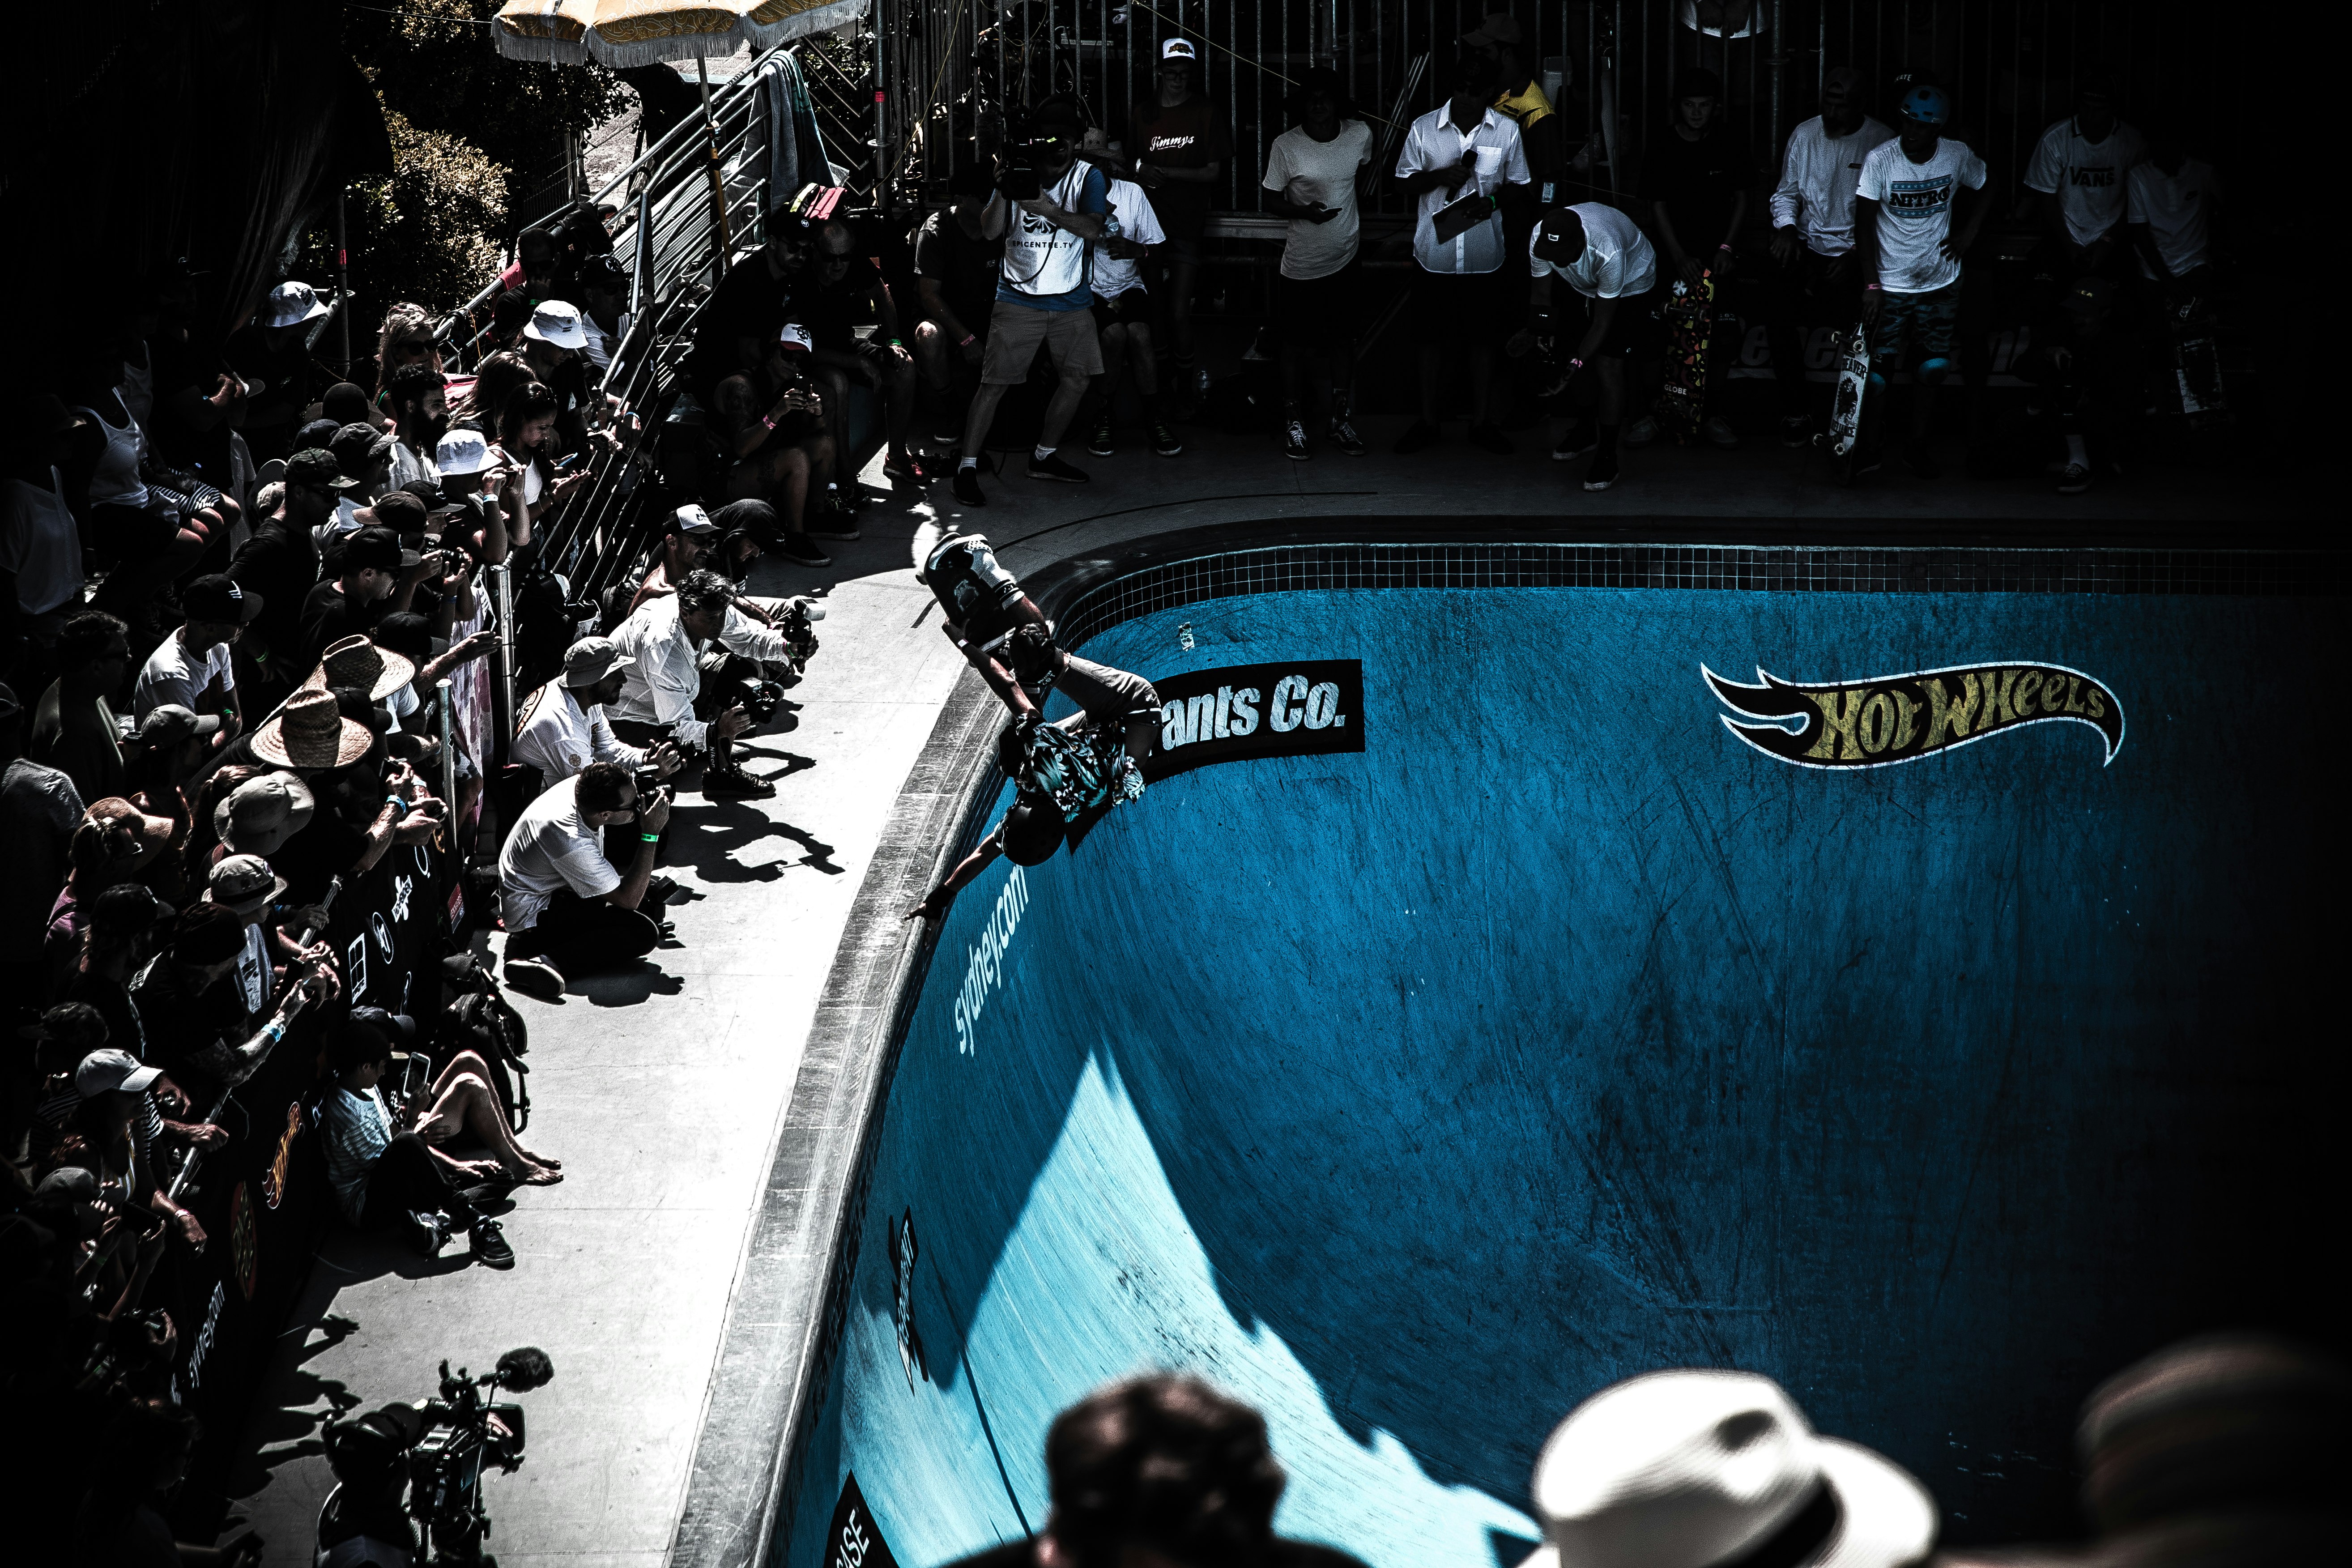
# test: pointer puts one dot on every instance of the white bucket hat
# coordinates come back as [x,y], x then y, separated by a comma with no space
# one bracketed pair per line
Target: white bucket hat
[291,303]
[1714,1469]
[559,323]
[462,452]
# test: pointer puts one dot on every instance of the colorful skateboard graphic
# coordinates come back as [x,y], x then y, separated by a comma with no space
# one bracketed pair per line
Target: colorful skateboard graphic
[1690,320]
[1846,399]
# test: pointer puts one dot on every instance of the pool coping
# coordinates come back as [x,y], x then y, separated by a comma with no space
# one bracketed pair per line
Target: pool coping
[789,1298]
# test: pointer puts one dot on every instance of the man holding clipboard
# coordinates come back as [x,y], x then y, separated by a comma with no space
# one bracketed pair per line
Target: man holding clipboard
[1462,161]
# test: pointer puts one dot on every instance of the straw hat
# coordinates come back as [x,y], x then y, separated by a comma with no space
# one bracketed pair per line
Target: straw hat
[310,732]
[355,661]
[151,835]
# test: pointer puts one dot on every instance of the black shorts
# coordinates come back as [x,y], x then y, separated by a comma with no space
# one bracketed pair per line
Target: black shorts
[1473,308]
[1130,308]
[1321,312]
[1635,327]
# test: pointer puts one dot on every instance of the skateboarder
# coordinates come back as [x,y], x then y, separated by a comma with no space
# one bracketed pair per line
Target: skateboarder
[1604,259]
[1814,282]
[1696,181]
[1917,211]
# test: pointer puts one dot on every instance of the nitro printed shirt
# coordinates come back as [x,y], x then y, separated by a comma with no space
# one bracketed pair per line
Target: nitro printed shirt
[2179,211]
[2088,177]
[1914,212]
[1818,177]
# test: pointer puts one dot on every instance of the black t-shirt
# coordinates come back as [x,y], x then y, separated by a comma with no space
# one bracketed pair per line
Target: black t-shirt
[1698,181]
[966,269]
[830,310]
[329,616]
[1282,1554]
[280,563]
[1192,135]
[751,303]
[328,846]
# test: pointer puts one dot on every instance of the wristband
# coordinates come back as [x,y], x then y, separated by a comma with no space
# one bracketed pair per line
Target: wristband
[648,838]
[967,341]
[1574,365]
[768,420]
[1725,246]
[1870,288]
[896,344]
[395,800]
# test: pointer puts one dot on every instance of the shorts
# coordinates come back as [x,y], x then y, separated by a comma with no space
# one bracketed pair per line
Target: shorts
[1634,327]
[1912,328]
[1130,308]
[1473,308]
[1104,694]
[1015,332]
[1324,312]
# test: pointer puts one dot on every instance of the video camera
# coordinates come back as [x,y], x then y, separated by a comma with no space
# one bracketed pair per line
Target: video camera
[1030,142]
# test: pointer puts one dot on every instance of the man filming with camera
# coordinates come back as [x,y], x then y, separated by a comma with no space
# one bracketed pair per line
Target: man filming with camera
[567,909]
[684,684]
[1050,207]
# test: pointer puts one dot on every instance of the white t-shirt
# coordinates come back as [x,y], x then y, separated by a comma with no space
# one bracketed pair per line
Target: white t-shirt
[41,543]
[1914,212]
[2086,176]
[172,674]
[1115,275]
[1496,158]
[1325,172]
[1815,195]
[550,849]
[1618,263]
[2177,210]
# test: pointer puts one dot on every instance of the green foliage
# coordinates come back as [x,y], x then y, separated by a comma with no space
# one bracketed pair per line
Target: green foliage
[426,233]
[434,65]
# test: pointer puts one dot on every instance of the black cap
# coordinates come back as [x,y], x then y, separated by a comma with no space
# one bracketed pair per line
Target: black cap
[345,403]
[397,1027]
[317,433]
[379,548]
[359,447]
[317,466]
[215,597]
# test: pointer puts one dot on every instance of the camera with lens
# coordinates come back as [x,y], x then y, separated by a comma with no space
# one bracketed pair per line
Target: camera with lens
[1029,145]
[760,699]
[799,629]
[648,780]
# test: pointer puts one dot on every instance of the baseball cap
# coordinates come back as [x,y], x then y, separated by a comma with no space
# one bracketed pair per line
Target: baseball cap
[1495,29]
[1178,49]
[316,433]
[603,272]
[691,518]
[168,724]
[77,1183]
[395,510]
[345,403]
[398,1029]
[207,934]
[217,597]
[792,335]
[358,446]
[244,884]
[291,303]
[317,466]
[1927,104]
[380,548]
[104,1072]
[559,323]
[591,659]
[462,452]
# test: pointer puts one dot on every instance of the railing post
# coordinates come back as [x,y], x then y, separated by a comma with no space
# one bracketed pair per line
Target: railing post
[645,250]
[445,703]
[502,694]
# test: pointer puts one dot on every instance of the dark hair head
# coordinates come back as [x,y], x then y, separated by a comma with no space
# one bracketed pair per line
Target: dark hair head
[1323,80]
[144,1443]
[602,786]
[404,632]
[533,400]
[1033,831]
[82,642]
[357,1043]
[971,180]
[496,379]
[410,383]
[701,591]
[1167,1463]
[1697,81]
[207,935]
[511,312]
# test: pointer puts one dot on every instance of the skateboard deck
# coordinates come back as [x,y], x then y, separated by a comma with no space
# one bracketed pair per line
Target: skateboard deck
[1690,320]
[1846,398]
[2196,366]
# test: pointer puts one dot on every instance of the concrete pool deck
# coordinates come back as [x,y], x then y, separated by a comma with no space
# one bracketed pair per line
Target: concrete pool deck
[664,1092]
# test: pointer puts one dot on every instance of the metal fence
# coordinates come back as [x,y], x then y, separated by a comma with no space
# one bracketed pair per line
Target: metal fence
[952,66]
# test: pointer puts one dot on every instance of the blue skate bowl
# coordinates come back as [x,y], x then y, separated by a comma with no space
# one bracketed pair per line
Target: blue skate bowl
[1566,1031]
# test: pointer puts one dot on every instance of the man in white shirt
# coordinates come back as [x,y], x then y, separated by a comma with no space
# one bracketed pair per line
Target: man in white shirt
[2078,167]
[683,685]
[2172,203]
[1312,173]
[193,668]
[1607,259]
[1122,305]
[565,909]
[1815,282]
[1457,160]
[417,397]
[564,728]
[1909,236]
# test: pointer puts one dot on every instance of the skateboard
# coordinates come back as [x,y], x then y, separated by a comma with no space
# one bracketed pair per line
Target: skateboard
[2196,366]
[1690,320]
[1846,398]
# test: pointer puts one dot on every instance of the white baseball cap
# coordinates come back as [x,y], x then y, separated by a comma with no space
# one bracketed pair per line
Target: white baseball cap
[1178,49]
[1691,1468]
[291,303]
[792,335]
[104,1072]
[692,518]
[559,323]
[462,452]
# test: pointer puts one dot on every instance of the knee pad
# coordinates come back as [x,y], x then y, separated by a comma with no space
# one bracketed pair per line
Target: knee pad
[1932,372]
[1878,382]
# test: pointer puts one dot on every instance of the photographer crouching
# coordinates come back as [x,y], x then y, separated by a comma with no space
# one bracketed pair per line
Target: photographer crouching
[684,683]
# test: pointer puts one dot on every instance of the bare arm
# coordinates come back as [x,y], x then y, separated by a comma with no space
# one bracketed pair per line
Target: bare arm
[1000,680]
[1085,225]
[640,874]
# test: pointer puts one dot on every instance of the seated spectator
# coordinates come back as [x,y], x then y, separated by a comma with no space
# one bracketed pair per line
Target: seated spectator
[567,911]
[274,354]
[378,576]
[846,290]
[41,543]
[956,269]
[385,1178]
[1719,1467]
[683,684]
[136,529]
[114,845]
[279,565]
[564,728]
[736,325]
[771,422]
[417,399]
[74,729]
[193,1007]
[193,669]
[1160,1469]
[39,809]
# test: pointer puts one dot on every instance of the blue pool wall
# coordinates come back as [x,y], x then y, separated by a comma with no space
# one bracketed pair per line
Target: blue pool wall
[1419,1093]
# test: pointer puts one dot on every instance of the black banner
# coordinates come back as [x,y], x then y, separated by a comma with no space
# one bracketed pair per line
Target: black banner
[1248,710]
[1896,718]
[853,1540]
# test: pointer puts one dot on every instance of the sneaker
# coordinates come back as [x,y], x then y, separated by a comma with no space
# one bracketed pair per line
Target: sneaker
[1641,432]
[967,487]
[1163,440]
[905,469]
[798,549]
[1343,435]
[1294,441]
[490,1243]
[1719,431]
[835,516]
[1421,433]
[1053,468]
[1796,430]
[1922,461]
[428,1229]
[734,783]
[664,891]
[1603,473]
[1489,437]
[535,977]
[1100,443]
[2073,479]
[1574,442]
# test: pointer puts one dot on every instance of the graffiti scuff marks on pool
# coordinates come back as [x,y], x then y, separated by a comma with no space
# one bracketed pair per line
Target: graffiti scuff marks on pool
[1898,718]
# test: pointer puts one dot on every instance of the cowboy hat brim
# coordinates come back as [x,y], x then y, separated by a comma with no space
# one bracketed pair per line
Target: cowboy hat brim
[270,745]
[398,671]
